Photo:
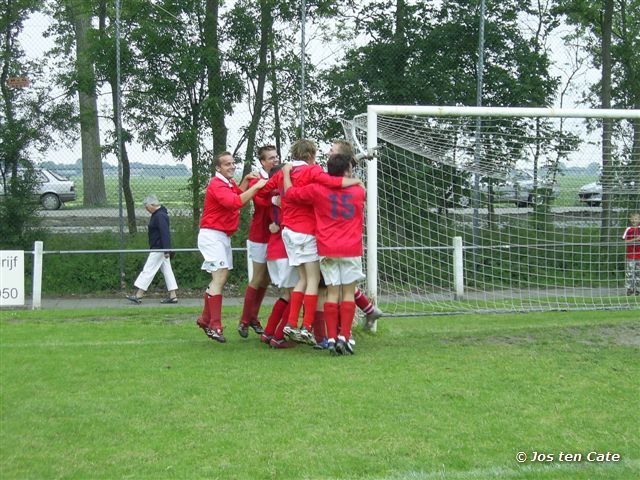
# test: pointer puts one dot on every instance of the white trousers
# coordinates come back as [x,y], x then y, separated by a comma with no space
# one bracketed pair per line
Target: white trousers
[156,261]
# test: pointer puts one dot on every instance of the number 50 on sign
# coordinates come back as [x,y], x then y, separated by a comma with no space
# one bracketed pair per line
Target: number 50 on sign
[11,278]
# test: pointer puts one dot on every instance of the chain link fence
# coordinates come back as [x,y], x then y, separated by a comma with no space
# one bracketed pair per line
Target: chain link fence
[192,82]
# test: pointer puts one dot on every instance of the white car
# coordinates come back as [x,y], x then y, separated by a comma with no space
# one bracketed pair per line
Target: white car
[591,193]
[52,189]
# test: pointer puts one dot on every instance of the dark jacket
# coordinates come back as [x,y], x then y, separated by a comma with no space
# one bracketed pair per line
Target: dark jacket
[159,236]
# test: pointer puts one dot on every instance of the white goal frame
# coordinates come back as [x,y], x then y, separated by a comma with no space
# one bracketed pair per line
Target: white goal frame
[486,112]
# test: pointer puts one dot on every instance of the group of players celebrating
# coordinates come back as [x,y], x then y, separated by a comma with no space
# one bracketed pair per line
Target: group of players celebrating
[305,237]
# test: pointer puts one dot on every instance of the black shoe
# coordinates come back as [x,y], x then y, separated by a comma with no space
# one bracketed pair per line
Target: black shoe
[243,330]
[134,299]
[169,300]
[257,328]
[217,336]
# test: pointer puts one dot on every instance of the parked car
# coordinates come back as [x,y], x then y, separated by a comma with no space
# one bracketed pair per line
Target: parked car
[591,193]
[53,190]
[518,189]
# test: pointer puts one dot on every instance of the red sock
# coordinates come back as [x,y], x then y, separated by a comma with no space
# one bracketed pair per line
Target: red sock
[215,312]
[310,303]
[295,304]
[257,301]
[331,319]
[247,308]
[347,312]
[319,328]
[204,317]
[275,317]
[363,302]
[279,335]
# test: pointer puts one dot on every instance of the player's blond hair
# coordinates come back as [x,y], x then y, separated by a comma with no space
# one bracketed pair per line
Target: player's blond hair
[344,147]
[303,150]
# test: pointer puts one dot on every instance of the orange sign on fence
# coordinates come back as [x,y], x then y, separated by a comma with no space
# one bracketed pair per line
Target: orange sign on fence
[18,82]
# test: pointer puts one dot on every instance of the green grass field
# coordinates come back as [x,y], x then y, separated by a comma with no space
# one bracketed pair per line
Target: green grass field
[134,393]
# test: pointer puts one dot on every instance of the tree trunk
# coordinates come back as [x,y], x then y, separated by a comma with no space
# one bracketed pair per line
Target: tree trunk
[94,193]
[399,55]
[606,229]
[266,26]
[275,102]
[214,67]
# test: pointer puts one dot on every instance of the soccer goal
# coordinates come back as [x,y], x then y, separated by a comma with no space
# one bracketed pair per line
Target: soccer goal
[473,209]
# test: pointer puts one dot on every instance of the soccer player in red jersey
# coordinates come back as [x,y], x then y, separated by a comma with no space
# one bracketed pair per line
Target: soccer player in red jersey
[285,277]
[220,219]
[298,234]
[339,215]
[257,246]
[632,271]
[371,311]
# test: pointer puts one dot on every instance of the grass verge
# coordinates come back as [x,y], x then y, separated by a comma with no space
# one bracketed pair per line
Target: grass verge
[143,394]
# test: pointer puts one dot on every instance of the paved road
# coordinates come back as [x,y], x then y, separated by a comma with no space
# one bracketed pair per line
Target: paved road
[70,303]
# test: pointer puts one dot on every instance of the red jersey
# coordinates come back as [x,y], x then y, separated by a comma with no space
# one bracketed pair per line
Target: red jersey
[259,226]
[633,250]
[275,248]
[222,205]
[339,217]
[298,218]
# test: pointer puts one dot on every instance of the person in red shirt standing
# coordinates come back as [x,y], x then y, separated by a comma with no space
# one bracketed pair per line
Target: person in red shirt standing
[220,219]
[257,246]
[632,271]
[372,312]
[339,216]
[298,234]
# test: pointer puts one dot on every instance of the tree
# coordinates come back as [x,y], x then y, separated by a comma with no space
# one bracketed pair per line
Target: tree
[80,15]
[169,100]
[105,65]
[611,34]
[213,60]
[29,118]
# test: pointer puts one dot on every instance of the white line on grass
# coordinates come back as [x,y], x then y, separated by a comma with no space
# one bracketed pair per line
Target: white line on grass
[93,343]
[507,472]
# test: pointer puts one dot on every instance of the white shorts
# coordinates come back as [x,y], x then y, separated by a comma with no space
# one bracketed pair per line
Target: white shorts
[215,247]
[282,274]
[257,251]
[301,247]
[341,270]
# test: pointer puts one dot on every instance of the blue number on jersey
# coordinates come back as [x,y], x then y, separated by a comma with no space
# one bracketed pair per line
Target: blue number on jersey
[343,206]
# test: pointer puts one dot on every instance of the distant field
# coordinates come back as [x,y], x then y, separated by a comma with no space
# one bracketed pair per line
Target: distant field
[133,393]
[173,191]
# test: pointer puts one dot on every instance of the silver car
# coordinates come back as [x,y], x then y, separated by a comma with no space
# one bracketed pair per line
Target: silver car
[591,193]
[518,189]
[52,189]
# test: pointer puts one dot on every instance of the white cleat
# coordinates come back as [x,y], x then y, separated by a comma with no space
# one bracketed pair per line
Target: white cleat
[371,318]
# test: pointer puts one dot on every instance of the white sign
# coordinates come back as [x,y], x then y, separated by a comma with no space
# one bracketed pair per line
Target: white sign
[11,278]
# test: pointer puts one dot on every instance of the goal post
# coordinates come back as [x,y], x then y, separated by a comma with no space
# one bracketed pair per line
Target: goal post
[531,238]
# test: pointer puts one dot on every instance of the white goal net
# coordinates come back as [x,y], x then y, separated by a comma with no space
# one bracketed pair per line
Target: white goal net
[498,209]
